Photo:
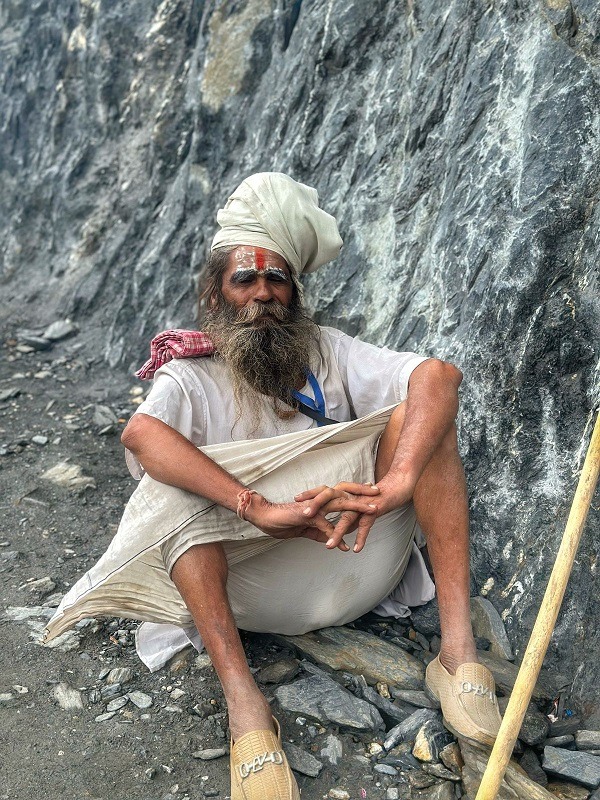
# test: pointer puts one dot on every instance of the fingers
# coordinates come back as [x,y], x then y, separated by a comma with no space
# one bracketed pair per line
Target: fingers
[344,524]
[344,486]
[318,536]
[348,503]
[365,523]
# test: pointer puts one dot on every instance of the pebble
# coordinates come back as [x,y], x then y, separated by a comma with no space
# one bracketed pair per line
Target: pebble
[6,697]
[20,689]
[120,675]
[392,794]
[68,475]
[103,673]
[176,694]
[173,709]
[333,749]
[385,769]
[68,699]
[60,330]
[531,764]
[43,585]
[451,757]
[210,753]
[43,373]
[39,439]
[211,793]
[113,690]
[117,703]
[139,699]
[202,661]
[150,773]
[8,394]
[104,717]
[338,794]
[438,771]
[430,739]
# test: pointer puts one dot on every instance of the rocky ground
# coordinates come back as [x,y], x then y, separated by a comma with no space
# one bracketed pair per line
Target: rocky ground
[86,720]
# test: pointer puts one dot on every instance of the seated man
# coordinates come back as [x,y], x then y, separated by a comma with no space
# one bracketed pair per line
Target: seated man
[274,371]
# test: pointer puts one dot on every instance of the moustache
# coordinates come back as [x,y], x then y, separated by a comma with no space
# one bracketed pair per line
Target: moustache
[271,308]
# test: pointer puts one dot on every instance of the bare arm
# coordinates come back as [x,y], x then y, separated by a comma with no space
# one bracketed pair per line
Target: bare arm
[431,408]
[170,458]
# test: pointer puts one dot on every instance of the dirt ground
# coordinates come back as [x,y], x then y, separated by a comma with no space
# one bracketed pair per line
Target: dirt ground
[49,531]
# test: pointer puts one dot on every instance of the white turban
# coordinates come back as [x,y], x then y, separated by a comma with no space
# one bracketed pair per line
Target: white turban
[273,211]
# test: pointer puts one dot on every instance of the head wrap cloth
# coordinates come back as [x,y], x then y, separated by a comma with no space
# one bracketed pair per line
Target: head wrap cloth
[273,211]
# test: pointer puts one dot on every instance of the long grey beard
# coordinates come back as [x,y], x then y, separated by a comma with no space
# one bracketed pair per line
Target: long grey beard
[265,357]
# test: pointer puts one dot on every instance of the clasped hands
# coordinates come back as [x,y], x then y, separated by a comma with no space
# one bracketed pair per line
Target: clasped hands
[358,506]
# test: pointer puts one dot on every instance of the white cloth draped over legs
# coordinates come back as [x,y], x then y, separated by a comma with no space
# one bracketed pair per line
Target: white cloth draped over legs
[274,586]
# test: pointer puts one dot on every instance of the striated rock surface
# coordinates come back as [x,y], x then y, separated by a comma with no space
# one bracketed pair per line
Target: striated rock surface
[457,144]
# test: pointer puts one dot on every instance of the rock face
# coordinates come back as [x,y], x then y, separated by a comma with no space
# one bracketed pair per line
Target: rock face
[458,146]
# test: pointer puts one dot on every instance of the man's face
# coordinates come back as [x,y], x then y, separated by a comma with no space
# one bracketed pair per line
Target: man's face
[256,275]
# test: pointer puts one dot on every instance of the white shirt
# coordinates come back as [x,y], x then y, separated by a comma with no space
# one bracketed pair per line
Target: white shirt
[195,396]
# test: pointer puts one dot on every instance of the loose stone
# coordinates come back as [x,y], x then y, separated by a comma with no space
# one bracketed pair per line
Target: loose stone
[407,729]
[338,794]
[39,439]
[68,699]
[451,757]
[587,740]
[301,761]
[392,794]
[531,764]
[139,699]
[414,698]
[568,791]
[6,697]
[60,330]
[120,675]
[210,753]
[333,749]
[280,672]
[176,694]
[323,699]
[438,771]
[385,769]
[580,767]
[560,741]
[106,692]
[117,703]
[104,717]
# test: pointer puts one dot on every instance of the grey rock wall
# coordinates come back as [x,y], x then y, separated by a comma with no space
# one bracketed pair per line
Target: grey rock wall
[457,143]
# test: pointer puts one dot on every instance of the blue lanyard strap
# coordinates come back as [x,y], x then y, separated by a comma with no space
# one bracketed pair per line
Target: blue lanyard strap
[318,404]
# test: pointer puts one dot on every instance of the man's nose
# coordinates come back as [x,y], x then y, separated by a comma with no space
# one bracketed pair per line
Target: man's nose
[263,290]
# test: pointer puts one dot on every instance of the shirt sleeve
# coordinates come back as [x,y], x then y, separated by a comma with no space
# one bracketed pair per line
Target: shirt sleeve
[374,377]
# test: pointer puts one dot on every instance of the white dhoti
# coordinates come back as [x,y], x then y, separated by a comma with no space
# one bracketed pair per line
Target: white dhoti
[275,586]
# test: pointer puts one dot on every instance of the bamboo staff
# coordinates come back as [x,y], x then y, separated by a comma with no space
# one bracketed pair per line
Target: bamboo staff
[544,624]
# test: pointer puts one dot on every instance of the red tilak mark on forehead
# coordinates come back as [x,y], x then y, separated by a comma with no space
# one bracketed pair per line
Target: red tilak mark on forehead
[259,260]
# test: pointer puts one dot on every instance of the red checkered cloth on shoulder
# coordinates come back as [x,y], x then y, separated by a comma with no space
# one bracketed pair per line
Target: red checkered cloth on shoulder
[174,344]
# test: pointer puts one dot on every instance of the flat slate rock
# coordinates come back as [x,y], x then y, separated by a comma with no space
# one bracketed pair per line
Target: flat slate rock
[515,786]
[361,653]
[321,698]
[577,766]
[587,740]
[535,727]
[301,761]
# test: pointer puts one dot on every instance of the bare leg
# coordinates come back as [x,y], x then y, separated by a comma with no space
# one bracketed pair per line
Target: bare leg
[441,506]
[200,575]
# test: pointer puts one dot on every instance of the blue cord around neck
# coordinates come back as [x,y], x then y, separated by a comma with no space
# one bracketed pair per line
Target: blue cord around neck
[318,404]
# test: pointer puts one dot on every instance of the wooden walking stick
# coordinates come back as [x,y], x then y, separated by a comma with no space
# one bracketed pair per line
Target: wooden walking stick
[544,624]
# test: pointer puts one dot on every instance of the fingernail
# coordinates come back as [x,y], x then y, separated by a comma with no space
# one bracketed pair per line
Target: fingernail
[372,505]
[329,542]
[374,485]
[306,512]
[355,548]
